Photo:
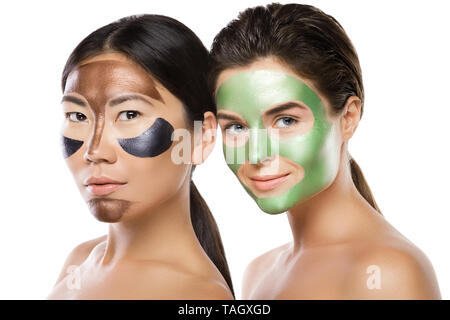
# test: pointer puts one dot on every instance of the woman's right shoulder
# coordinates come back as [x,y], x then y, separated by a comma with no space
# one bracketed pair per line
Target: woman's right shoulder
[82,251]
[78,255]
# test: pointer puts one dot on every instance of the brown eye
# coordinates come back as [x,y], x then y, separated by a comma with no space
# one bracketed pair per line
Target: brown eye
[128,115]
[76,116]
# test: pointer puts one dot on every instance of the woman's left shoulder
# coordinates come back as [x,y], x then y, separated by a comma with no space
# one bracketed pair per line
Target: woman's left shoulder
[391,267]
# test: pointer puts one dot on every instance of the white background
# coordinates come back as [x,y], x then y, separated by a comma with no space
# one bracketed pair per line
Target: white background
[401,143]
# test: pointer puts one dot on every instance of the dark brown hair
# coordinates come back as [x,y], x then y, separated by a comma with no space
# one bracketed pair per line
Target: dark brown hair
[312,43]
[176,57]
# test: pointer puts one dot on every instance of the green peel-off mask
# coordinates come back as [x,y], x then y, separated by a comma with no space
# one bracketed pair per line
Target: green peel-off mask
[249,94]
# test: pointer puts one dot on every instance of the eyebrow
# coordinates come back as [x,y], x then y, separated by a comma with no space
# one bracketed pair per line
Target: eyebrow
[127,97]
[74,100]
[226,116]
[283,107]
[112,103]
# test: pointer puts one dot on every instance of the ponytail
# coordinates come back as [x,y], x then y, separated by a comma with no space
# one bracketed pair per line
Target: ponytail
[361,184]
[206,230]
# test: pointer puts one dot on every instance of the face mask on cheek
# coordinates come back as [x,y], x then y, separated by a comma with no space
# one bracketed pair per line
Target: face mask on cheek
[316,151]
[152,142]
[70,146]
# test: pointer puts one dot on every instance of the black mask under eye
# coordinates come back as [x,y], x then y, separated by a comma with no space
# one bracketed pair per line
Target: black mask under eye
[152,142]
[70,146]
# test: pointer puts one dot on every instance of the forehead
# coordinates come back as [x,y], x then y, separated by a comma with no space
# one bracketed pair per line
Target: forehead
[249,93]
[266,63]
[107,75]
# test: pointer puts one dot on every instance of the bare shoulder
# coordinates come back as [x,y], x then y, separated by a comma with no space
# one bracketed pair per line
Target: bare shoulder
[161,280]
[79,254]
[198,287]
[391,268]
[82,251]
[258,266]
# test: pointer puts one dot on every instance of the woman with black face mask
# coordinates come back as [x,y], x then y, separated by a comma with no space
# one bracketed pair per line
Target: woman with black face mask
[128,87]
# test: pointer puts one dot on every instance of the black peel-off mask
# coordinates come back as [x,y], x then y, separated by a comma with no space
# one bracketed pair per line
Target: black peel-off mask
[152,142]
[70,146]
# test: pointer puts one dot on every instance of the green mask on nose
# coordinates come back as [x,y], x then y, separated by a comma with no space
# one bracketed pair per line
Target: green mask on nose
[249,94]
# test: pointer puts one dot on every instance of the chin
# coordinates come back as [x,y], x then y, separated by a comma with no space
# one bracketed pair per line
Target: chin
[108,210]
[268,205]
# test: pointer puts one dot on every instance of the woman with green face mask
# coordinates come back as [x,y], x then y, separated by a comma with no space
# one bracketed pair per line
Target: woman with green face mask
[289,93]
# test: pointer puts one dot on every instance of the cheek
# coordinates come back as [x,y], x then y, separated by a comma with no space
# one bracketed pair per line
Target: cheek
[155,180]
[76,165]
[319,154]
[70,146]
[153,175]
[307,149]
[152,142]
[302,149]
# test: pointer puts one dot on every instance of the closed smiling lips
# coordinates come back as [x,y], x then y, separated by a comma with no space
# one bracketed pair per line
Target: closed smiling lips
[101,186]
[268,182]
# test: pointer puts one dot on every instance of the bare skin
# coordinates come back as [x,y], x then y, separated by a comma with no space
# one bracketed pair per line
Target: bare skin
[151,250]
[342,248]
[136,278]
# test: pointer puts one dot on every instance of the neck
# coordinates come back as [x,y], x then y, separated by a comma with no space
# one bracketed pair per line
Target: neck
[334,215]
[160,233]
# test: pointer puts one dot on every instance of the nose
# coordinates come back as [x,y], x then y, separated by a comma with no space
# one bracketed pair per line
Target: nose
[260,147]
[99,146]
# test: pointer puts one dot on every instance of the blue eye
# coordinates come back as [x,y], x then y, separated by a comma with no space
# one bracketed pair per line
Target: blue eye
[76,116]
[285,122]
[235,129]
[128,115]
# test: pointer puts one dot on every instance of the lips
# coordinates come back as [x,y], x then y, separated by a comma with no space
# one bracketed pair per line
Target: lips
[268,182]
[101,186]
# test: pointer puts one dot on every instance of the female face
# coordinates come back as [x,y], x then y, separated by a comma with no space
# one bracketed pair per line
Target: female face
[278,137]
[117,136]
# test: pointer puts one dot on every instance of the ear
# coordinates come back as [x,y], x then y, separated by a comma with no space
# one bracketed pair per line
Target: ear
[350,117]
[204,138]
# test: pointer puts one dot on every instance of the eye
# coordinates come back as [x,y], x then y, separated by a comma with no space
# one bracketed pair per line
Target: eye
[128,115]
[235,129]
[285,122]
[76,116]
